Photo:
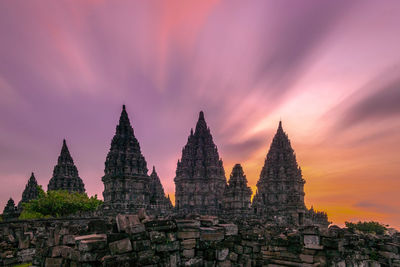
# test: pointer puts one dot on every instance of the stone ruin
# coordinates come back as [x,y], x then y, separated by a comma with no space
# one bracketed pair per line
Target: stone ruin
[237,195]
[280,194]
[201,185]
[141,240]
[275,229]
[200,176]
[127,186]
[30,192]
[65,173]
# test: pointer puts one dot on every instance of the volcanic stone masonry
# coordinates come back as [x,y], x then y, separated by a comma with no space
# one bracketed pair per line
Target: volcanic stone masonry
[126,183]
[30,192]
[65,173]
[140,240]
[280,194]
[158,202]
[237,196]
[200,177]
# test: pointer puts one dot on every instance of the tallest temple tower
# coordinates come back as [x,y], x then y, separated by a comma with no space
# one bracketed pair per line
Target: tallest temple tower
[200,177]
[126,183]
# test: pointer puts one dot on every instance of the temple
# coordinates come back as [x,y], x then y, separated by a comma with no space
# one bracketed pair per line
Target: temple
[159,203]
[65,174]
[200,177]
[10,211]
[30,192]
[237,196]
[126,183]
[280,189]
[201,187]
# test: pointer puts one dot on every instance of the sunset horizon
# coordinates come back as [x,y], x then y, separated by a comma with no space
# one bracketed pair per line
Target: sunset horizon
[328,71]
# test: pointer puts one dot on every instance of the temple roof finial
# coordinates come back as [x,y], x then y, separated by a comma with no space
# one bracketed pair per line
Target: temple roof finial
[201,115]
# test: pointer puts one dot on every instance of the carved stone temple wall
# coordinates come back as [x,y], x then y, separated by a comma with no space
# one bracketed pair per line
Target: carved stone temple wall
[237,196]
[126,183]
[200,177]
[280,189]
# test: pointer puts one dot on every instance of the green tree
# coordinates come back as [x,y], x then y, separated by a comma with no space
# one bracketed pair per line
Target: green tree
[58,203]
[367,227]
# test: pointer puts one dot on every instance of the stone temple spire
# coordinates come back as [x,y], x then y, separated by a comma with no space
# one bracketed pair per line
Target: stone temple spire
[126,183]
[65,173]
[10,211]
[30,192]
[158,201]
[237,196]
[280,194]
[200,177]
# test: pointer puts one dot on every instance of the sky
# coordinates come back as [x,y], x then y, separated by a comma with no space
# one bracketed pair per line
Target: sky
[330,70]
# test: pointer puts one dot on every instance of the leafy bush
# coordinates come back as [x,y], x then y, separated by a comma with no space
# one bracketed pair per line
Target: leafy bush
[367,227]
[58,203]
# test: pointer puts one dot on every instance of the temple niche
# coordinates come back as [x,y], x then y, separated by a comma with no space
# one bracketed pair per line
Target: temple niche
[126,183]
[31,191]
[65,174]
[237,196]
[200,177]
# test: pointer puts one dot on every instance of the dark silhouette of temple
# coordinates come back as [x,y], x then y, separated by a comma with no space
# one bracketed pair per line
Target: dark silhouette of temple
[31,191]
[201,185]
[237,195]
[200,177]
[127,186]
[65,173]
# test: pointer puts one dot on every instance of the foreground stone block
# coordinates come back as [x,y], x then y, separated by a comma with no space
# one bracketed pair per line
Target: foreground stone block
[312,242]
[230,229]
[188,253]
[168,247]
[121,246]
[53,262]
[187,224]
[208,221]
[222,254]
[129,224]
[188,234]
[160,225]
[91,245]
[211,234]
[188,243]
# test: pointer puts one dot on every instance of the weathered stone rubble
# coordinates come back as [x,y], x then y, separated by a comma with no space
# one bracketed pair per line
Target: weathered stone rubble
[200,177]
[126,183]
[237,196]
[30,192]
[139,240]
[65,173]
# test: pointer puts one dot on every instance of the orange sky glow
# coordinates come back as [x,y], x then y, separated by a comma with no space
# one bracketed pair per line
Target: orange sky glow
[329,70]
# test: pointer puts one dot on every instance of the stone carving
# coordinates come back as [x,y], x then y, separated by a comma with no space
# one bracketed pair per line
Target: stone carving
[158,201]
[126,183]
[280,189]
[200,177]
[237,196]
[65,173]
[30,192]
